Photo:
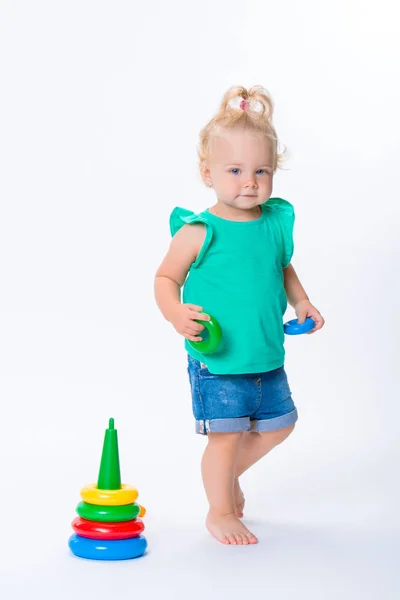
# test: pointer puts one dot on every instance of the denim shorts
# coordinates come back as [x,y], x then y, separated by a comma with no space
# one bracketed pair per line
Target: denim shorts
[227,403]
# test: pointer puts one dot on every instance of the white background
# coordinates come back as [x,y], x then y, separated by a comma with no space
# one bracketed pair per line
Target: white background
[101,105]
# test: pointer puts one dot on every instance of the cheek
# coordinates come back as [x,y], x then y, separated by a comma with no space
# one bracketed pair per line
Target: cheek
[268,183]
[229,182]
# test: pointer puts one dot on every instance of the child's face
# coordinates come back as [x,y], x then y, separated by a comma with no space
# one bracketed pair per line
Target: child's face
[241,168]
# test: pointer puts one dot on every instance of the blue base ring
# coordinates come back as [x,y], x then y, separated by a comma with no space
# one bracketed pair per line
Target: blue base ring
[293,328]
[107,549]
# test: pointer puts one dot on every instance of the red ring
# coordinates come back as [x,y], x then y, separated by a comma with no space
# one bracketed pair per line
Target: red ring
[107,531]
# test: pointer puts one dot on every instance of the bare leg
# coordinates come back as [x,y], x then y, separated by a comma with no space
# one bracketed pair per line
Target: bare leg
[218,469]
[254,446]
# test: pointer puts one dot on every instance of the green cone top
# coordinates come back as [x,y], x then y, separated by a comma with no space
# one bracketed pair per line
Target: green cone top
[109,474]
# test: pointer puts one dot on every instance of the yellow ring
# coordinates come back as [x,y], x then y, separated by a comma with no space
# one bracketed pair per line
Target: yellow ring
[92,495]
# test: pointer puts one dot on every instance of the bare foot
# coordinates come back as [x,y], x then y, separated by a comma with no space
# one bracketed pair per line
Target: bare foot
[227,529]
[239,499]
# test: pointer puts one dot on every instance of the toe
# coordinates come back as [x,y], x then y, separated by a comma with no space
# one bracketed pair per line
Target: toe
[223,539]
[238,538]
[252,538]
[232,539]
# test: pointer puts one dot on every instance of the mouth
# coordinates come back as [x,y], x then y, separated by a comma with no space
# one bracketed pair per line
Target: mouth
[248,196]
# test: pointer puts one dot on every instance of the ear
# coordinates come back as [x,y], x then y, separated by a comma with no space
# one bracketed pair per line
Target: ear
[205,174]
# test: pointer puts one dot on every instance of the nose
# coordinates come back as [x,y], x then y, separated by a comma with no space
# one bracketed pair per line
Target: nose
[251,182]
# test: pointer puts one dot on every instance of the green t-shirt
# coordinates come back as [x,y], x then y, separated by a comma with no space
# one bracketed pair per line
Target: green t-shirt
[238,278]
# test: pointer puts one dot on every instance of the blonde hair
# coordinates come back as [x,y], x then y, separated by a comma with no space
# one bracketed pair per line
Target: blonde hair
[255,114]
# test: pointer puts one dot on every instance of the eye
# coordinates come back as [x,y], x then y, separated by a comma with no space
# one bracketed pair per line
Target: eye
[234,171]
[262,172]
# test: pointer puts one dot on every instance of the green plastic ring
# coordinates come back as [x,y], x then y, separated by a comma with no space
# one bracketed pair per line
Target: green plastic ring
[108,514]
[214,340]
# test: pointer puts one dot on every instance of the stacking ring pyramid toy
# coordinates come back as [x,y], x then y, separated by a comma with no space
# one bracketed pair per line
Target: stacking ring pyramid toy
[108,526]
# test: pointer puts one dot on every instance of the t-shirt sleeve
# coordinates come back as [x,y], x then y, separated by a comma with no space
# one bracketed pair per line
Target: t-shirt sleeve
[282,214]
[180,217]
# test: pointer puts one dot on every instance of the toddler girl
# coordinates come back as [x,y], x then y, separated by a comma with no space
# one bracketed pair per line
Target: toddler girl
[233,261]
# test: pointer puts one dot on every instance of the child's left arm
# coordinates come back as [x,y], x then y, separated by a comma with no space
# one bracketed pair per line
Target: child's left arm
[298,298]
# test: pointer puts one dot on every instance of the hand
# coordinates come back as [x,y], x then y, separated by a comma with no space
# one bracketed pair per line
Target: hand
[184,318]
[305,309]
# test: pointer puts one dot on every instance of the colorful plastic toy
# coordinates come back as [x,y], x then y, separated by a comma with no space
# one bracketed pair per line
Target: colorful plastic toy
[94,512]
[107,549]
[293,328]
[212,339]
[108,527]
[213,333]
[92,495]
[107,531]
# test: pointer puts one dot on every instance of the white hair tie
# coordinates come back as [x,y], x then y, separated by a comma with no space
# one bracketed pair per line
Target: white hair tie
[240,103]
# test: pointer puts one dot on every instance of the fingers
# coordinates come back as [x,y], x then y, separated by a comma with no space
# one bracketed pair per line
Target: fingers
[194,312]
[191,332]
[194,328]
[319,322]
[192,338]
[198,316]
[195,307]
[301,317]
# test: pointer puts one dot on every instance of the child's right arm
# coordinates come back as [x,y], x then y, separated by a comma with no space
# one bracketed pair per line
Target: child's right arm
[171,276]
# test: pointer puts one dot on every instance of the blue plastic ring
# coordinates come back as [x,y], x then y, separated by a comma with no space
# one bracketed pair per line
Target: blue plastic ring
[107,549]
[293,328]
